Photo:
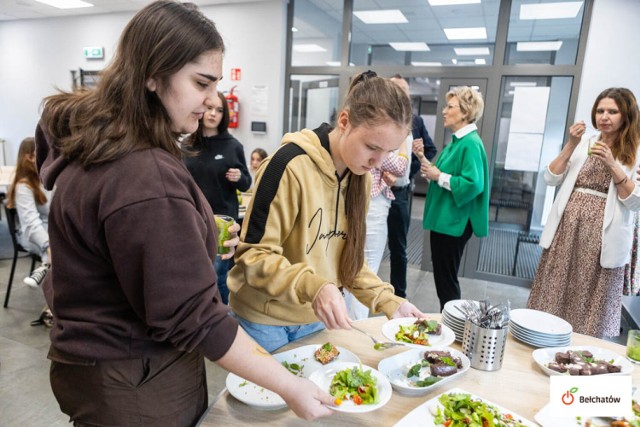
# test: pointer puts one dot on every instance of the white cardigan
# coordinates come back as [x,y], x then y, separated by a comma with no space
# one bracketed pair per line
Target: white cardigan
[617,227]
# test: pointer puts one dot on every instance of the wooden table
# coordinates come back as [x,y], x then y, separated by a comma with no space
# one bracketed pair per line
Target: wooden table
[519,385]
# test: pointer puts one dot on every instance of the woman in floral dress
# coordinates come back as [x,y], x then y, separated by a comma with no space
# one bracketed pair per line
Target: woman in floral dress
[588,236]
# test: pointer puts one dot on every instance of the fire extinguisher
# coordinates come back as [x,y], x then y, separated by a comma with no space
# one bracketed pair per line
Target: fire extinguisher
[232,101]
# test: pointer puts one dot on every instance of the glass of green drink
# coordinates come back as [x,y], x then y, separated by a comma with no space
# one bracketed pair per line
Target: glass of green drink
[633,345]
[223,222]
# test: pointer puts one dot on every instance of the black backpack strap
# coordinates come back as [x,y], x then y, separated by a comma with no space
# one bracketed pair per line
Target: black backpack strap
[267,190]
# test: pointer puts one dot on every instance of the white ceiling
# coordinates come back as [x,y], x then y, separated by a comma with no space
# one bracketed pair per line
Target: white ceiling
[30,9]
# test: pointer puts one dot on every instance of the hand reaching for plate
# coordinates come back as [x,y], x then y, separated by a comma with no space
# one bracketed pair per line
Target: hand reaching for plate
[307,400]
[407,309]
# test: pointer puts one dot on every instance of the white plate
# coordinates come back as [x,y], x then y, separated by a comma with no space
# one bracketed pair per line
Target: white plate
[323,377]
[543,356]
[537,335]
[450,308]
[304,356]
[395,368]
[252,394]
[422,415]
[259,397]
[390,328]
[541,343]
[540,321]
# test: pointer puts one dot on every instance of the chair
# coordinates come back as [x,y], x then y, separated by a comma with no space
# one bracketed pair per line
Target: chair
[12,214]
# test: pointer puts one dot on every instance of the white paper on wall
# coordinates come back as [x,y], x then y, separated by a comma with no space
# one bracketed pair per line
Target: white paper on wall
[523,151]
[526,130]
[529,112]
[259,100]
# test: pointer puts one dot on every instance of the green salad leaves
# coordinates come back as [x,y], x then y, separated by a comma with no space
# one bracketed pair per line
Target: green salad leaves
[355,384]
[460,410]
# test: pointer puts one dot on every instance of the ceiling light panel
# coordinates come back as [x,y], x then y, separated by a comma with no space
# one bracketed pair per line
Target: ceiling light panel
[66,4]
[426,64]
[452,2]
[389,16]
[561,10]
[308,48]
[410,46]
[475,33]
[538,46]
[475,51]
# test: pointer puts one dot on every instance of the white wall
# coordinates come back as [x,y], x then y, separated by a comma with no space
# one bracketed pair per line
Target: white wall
[37,56]
[611,58]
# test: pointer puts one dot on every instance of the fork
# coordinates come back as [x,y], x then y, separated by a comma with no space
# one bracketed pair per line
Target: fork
[379,345]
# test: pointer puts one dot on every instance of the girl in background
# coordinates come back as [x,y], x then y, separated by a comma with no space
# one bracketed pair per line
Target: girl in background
[31,201]
[257,156]
[216,162]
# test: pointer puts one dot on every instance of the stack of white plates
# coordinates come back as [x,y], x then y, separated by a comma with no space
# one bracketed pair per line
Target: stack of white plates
[453,318]
[539,329]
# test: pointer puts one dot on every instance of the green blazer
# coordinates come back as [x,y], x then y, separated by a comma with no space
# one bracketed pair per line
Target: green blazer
[448,212]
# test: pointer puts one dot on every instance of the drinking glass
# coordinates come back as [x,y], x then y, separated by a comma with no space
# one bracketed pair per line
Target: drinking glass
[633,345]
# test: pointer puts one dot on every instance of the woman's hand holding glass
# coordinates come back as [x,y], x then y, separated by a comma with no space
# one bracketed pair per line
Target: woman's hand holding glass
[602,151]
[417,146]
[233,241]
[389,178]
[429,171]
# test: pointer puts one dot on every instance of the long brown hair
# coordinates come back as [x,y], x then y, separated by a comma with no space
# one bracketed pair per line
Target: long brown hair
[371,101]
[625,146]
[121,115]
[26,173]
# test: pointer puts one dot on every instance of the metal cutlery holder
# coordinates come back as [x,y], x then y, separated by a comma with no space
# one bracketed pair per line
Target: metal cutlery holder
[484,347]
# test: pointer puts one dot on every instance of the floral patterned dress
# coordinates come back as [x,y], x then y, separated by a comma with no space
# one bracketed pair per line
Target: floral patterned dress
[569,282]
[632,270]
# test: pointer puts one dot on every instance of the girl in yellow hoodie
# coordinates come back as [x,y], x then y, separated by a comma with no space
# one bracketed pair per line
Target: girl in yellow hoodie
[304,233]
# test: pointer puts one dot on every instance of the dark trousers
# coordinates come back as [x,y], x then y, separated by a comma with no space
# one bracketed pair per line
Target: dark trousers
[446,253]
[222,268]
[398,227]
[165,390]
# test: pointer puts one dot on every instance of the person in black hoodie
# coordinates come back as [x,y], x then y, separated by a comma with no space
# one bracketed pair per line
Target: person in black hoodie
[219,168]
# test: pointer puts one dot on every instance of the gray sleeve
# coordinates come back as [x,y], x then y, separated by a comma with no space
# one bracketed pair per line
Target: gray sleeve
[32,224]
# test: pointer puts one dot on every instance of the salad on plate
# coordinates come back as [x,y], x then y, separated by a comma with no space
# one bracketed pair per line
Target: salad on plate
[463,410]
[418,332]
[354,384]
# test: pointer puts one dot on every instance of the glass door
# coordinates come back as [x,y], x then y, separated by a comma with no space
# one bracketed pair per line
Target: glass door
[314,100]
[530,129]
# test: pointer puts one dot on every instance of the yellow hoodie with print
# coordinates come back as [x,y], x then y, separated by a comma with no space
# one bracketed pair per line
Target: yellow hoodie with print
[293,234]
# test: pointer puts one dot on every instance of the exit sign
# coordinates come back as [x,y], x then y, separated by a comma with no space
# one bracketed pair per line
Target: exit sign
[93,52]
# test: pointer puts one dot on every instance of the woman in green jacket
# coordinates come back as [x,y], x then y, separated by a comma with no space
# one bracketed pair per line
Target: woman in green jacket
[457,202]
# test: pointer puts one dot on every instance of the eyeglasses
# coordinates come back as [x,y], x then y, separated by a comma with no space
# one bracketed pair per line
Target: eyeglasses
[450,107]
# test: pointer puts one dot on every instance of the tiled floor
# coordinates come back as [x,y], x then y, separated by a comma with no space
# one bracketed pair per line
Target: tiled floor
[25,395]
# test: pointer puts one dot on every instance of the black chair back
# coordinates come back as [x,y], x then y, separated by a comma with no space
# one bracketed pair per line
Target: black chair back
[12,216]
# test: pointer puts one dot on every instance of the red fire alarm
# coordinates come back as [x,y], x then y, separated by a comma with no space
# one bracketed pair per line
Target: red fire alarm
[235,74]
